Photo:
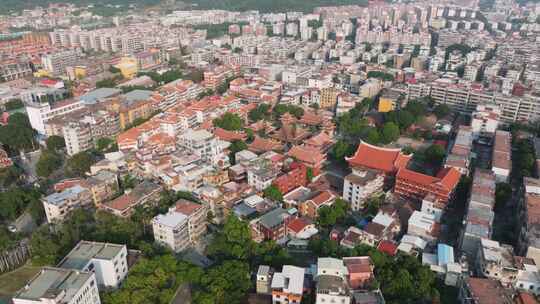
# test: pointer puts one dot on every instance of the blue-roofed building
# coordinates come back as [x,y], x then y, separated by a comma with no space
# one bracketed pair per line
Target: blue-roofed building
[58,205]
[445,254]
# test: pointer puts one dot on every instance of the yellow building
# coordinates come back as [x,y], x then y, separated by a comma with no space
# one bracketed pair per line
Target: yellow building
[42,73]
[128,67]
[388,101]
[328,97]
[129,111]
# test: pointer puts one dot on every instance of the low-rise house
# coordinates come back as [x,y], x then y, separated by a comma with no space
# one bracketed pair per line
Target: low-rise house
[529,219]
[58,205]
[57,286]
[107,261]
[501,157]
[312,205]
[264,279]
[479,216]
[311,157]
[483,291]
[496,261]
[301,228]
[423,225]
[103,186]
[271,226]
[288,285]
[296,176]
[124,205]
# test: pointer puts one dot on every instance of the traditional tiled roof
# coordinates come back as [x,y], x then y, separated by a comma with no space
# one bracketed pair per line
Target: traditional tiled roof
[260,145]
[382,159]
[306,154]
[227,135]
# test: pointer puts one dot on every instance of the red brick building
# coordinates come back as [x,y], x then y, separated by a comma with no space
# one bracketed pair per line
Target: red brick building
[294,178]
[409,184]
[414,185]
[310,157]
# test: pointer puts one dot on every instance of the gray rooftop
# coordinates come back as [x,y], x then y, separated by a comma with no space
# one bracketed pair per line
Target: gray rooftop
[136,95]
[51,282]
[69,193]
[97,94]
[331,284]
[171,219]
[85,251]
[274,218]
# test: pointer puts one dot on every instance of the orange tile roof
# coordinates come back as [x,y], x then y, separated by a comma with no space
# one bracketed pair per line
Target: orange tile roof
[322,198]
[298,224]
[262,145]
[306,154]
[378,158]
[227,135]
[186,207]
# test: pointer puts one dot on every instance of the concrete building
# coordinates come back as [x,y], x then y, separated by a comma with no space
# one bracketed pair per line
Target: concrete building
[288,285]
[58,205]
[40,113]
[264,279]
[479,216]
[501,162]
[203,144]
[59,286]
[57,62]
[496,261]
[485,120]
[107,261]
[529,219]
[171,229]
[360,185]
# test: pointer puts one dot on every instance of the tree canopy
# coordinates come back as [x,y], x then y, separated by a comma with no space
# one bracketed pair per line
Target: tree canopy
[55,143]
[18,134]
[272,192]
[80,163]
[229,121]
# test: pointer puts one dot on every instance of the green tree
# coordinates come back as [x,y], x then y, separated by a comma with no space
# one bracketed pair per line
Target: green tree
[45,248]
[390,132]
[405,119]
[235,147]
[225,283]
[80,163]
[55,143]
[434,154]
[272,192]
[48,162]
[229,121]
[328,216]
[14,104]
[105,145]
[341,149]
[233,241]
[259,113]
[10,176]
[416,108]
[503,193]
[18,134]
[373,136]
[309,174]
[441,111]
